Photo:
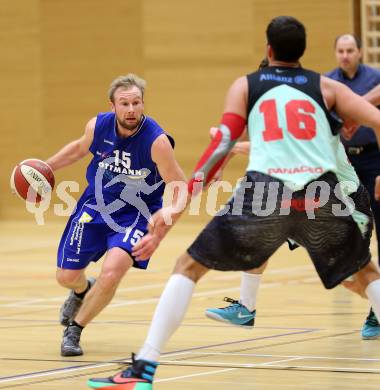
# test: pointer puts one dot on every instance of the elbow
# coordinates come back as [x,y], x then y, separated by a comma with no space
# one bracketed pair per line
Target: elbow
[79,151]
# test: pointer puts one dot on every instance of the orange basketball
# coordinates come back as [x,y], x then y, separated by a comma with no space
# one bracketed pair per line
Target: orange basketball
[32,180]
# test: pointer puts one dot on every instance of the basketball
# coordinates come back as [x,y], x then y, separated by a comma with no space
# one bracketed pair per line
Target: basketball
[32,180]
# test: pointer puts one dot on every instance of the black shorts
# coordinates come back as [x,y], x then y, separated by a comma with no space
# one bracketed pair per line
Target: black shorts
[259,219]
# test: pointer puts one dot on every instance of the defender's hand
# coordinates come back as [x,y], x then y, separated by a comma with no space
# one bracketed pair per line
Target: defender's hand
[349,129]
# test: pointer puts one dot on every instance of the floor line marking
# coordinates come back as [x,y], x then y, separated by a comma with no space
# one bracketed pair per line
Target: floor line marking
[173,353]
[194,375]
[272,364]
[306,357]
[269,365]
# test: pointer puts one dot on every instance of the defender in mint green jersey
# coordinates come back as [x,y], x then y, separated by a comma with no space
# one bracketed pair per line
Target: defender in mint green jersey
[295,147]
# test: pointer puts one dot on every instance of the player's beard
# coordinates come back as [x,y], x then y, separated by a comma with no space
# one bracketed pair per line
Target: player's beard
[124,124]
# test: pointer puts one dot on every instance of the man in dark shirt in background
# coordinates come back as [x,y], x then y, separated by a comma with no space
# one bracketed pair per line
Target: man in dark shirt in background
[362,149]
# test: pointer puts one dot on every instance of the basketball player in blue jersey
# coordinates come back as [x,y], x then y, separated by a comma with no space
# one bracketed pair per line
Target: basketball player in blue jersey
[294,147]
[132,160]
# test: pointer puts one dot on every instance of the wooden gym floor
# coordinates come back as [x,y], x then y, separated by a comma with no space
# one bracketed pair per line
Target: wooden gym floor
[305,337]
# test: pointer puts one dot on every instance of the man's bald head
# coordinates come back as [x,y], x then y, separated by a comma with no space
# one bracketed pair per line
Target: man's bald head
[350,38]
[348,53]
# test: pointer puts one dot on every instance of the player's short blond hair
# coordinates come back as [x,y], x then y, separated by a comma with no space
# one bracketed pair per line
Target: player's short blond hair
[126,82]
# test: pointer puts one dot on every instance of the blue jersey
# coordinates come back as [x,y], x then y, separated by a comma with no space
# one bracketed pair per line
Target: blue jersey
[364,80]
[123,167]
[124,189]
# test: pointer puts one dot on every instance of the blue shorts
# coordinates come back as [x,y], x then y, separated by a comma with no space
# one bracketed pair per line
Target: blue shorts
[88,236]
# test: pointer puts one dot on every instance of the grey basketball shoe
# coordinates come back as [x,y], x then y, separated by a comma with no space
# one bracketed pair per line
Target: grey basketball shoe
[70,342]
[71,306]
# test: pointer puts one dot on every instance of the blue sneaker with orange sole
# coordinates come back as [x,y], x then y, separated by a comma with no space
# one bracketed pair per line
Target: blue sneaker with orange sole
[371,327]
[138,376]
[234,314]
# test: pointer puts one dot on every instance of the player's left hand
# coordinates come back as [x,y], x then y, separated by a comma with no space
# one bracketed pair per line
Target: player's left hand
[157,229]
[144,249]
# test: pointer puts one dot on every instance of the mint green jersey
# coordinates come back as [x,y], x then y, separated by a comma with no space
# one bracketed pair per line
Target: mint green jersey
[293,136]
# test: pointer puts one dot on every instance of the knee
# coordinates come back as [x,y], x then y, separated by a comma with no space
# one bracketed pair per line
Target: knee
[259,270]
[187,266]
[362,279]
[368,274]
[116,264]
[67,277]
[110,278]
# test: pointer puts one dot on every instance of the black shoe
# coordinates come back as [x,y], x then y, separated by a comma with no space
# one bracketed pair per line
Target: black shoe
[70,343]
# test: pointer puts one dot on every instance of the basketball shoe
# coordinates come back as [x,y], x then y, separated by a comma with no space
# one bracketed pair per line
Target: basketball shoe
[71,306]
[234,314]
[138,376]
[371,327]
[70,343]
